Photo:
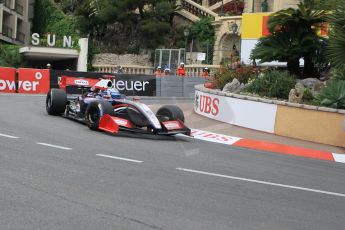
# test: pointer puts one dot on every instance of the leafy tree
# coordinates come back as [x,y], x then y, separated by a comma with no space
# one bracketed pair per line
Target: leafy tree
[68,6]
[293,35]
[203,32]
[49,18]
[148,23]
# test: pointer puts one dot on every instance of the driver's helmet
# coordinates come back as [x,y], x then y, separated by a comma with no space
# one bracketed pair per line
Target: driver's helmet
[113,93]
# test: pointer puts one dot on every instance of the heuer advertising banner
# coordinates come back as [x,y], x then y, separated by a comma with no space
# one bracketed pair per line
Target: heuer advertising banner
[7,80]
[33,81]
[128,84]
[249,114]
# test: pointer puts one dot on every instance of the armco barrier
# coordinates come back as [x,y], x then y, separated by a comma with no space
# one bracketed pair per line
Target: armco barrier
[171,86]
[174,86]
[7,80]
[305,122]
[128,84]
[39,81]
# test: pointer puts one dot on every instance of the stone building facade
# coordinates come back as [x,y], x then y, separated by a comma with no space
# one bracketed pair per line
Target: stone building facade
[15,21]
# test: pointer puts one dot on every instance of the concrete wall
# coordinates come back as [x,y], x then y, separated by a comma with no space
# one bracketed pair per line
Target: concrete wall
[305,122]
[311,125]
[125,59]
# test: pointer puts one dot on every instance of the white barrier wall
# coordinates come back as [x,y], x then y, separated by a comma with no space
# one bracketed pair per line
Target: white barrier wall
[249,114]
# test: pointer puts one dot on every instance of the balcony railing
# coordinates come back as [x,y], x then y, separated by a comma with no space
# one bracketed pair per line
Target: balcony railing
[21,37]
[198,1]
[196,9]
[194,70]
[212,2]
[128,69]
[19,9]
[7,31]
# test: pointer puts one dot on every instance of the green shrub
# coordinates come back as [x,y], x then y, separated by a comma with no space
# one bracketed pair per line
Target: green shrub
[307,96]
[338,73]
[273,84]
[242,73]
[222,78]
[333,95]
[10,56]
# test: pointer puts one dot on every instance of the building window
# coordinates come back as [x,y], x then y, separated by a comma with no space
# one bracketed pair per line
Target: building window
[19,9]
[21,37]
[7,31]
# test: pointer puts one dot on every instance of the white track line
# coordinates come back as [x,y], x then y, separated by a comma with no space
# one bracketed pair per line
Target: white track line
[119,158]
[262,182]
[54,146]
[8,136]
[339,157]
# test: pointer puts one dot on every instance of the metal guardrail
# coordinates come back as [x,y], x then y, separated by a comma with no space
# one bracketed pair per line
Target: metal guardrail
[173,86]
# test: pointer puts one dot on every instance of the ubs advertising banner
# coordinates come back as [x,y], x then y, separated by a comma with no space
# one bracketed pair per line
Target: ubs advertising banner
[7,80]
[236,111]
[128,84]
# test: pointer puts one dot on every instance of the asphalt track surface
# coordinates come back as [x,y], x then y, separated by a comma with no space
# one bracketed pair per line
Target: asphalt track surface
[57,174]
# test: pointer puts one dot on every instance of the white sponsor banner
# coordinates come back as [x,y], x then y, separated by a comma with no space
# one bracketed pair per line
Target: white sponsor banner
[249,114]
[213,137]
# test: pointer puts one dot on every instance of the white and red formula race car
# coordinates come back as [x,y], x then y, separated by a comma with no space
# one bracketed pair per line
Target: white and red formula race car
[102,107]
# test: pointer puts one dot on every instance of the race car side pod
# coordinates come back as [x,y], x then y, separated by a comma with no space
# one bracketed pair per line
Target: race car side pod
[108,124]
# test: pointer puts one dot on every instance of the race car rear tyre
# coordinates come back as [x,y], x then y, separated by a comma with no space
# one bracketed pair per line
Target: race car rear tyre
[94,112]
[56,101]
[172,112]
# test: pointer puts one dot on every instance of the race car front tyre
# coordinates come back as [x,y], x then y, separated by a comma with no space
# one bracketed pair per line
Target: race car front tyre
[172,112]
[94,112]
[56,101]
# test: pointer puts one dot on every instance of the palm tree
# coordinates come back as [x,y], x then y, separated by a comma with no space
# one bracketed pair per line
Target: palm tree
[336,48]
[293,35]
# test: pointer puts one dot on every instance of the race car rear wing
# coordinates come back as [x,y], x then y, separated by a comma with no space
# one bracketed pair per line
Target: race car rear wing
[66,81]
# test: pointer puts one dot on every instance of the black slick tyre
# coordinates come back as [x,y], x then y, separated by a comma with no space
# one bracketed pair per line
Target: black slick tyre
[172,112]
[56,101]
[94,112]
